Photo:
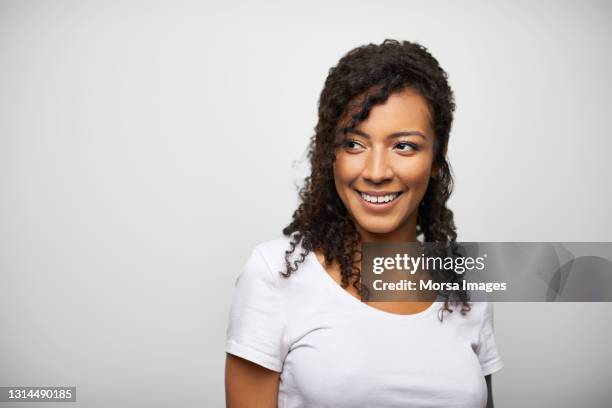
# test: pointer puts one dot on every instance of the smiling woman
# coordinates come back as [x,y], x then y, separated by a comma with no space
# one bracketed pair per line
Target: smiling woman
[379,174]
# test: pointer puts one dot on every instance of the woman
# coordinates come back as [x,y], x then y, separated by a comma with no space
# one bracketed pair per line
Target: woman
[299,335]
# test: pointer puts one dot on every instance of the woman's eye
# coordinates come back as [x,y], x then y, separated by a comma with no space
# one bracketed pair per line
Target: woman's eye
[351,145]
[406,147]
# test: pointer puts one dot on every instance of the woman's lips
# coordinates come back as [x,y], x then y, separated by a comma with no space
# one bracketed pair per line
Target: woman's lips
[378,207]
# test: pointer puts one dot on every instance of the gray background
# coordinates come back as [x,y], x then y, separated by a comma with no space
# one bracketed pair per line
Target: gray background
[146,147]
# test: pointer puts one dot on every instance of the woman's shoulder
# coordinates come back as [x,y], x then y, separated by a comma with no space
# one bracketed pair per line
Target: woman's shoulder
[480,314]
[479,311]
[273,251]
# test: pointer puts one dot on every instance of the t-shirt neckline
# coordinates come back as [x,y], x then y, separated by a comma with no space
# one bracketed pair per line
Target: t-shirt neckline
[358,304]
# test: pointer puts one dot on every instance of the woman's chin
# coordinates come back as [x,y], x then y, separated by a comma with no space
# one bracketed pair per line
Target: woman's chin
[379,228]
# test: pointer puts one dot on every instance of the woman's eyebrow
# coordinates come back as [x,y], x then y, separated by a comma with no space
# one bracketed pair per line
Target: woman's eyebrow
[391,136]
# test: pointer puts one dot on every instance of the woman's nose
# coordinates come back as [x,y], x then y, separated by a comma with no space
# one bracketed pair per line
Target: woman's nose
[377,167]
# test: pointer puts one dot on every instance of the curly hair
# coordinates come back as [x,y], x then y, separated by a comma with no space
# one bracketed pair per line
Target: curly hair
[364,77]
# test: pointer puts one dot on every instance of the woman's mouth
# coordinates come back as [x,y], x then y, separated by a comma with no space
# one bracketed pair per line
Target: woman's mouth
[378,202]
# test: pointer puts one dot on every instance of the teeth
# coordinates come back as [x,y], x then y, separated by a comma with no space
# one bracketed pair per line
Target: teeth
[379,199]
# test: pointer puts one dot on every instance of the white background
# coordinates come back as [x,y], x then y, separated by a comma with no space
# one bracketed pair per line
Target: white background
[146,147]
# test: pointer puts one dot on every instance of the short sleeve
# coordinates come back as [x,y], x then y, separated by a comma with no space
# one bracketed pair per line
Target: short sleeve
[256,328]
[488,356]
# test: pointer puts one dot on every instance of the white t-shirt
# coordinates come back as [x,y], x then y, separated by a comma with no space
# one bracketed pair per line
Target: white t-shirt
[332,350]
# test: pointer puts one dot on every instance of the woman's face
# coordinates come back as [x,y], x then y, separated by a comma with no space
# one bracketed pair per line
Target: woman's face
[382,170]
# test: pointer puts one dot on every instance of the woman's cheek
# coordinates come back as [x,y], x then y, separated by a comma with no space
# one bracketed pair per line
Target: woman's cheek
[416,176]
[346,169]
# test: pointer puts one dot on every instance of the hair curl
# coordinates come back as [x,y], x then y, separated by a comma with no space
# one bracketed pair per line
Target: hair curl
[363,78]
